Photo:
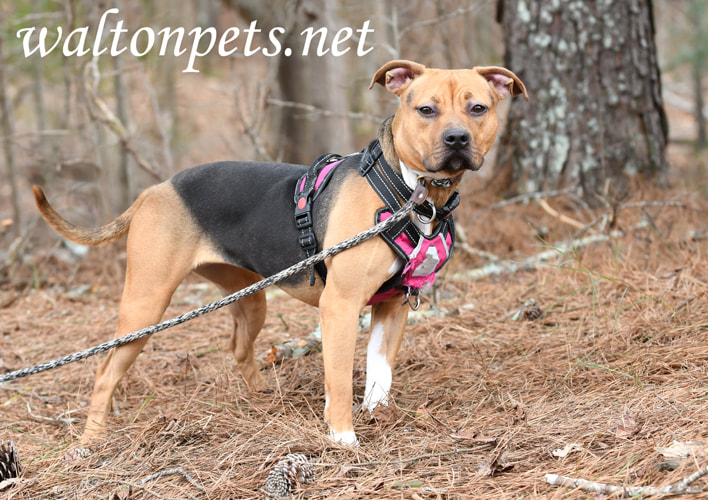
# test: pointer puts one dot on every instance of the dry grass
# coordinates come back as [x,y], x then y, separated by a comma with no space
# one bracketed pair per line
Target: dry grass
[618,365]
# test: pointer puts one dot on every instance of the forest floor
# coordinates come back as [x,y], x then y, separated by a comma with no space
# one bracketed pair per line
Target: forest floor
[607,384]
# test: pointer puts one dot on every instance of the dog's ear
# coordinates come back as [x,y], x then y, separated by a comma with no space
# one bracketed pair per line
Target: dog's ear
[504,81]
[397,75]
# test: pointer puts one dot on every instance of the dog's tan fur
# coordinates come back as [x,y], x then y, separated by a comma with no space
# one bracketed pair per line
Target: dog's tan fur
[164,243]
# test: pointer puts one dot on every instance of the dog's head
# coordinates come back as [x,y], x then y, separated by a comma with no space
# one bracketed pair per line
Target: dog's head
[447,119]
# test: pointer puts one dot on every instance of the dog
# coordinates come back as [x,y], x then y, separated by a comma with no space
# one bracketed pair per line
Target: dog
[233,223]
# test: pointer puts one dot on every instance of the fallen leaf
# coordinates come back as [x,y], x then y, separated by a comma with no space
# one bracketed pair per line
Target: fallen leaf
[519,415]
[385,415]
[496,464]
[422,411]
[566,450]
[678,449]
[626,426]
[344,470]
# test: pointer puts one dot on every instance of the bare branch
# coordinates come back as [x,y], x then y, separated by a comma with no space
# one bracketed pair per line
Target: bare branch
[523,198]
[563,218]
[100,112]
[436,20]
[634,491]
[314,110]
[535,261]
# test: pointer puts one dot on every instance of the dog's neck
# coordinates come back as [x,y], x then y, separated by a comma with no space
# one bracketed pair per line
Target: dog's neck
[437,195]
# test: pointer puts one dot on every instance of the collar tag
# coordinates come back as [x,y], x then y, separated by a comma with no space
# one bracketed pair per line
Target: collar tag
[420,193]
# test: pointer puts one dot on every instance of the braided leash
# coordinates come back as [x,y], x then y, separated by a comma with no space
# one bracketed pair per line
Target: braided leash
[417,197]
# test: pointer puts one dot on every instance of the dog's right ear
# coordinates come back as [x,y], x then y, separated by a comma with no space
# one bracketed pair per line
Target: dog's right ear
[397,75]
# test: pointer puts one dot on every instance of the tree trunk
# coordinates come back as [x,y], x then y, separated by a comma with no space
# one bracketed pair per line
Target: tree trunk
[319,82]
[596,115]
[696,13]
[121,112]
[8,129]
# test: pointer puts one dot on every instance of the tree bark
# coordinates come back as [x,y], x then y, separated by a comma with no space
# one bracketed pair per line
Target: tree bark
[596,115]
[318,81]
[8,129]
[696,13]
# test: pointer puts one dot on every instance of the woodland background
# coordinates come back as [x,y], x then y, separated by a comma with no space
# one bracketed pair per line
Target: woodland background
[568,334]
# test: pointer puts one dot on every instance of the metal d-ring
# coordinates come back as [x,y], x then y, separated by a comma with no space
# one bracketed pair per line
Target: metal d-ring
[423,219]
[414,307]
[412,293]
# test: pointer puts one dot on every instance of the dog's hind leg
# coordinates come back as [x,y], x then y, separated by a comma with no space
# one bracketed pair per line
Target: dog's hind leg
[158,261]
[249,314]
[142,305]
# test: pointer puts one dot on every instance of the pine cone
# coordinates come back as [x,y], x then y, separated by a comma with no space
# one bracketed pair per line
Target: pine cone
[532,311]
[289,470]
[9,461]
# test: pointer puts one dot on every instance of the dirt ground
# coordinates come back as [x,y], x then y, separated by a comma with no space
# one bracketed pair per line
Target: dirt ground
[487,398]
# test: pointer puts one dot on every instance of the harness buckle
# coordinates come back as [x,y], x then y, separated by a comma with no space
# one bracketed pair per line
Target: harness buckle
[369,157]
[303,219]
[308,242]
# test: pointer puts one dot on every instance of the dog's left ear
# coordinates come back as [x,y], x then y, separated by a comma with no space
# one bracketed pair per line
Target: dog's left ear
[397,75]
[504,81]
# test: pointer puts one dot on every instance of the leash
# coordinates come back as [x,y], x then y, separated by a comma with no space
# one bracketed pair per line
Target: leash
[419,195]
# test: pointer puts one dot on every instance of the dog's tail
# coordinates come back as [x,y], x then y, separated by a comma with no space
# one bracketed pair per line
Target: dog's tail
[83,235]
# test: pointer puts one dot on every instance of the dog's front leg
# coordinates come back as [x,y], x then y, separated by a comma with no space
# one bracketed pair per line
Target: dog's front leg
[388,322]
[339,319]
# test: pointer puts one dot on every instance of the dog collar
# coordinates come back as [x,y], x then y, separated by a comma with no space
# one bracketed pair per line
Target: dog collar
[435,179]
[390,185]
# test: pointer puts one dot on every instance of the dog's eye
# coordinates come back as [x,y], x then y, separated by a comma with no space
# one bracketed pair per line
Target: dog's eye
[478,109]
[426,111]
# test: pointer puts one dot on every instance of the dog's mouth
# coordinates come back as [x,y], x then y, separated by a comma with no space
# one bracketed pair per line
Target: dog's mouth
[454,161]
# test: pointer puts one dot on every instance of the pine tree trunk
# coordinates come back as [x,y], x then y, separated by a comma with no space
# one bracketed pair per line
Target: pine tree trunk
[8,130]
[317,81]
[596,115]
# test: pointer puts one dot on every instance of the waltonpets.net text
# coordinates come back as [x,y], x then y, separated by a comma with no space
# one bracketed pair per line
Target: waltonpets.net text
[145,39]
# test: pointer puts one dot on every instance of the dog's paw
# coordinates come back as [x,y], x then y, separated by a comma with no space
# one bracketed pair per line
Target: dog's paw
[374,397]
[77,454]
[347,438]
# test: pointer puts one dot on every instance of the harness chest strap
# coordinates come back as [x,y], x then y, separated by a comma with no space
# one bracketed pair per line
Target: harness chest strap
[423,255]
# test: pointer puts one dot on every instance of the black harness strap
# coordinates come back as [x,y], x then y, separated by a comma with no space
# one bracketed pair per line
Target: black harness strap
[303,210]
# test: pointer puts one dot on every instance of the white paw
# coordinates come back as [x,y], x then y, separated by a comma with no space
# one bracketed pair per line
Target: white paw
[347,437]
[375,396]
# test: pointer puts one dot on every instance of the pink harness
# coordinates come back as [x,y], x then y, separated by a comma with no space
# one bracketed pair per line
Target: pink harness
[422,261]
[422,255]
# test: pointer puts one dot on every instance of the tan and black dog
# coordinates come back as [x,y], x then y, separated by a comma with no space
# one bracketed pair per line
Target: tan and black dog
[232,223]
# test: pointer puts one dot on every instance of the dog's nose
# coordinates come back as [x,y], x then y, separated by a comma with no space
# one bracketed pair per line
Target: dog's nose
[456,138]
